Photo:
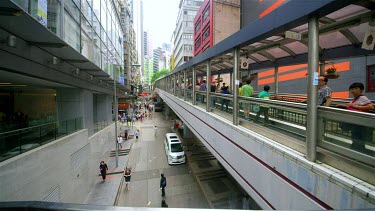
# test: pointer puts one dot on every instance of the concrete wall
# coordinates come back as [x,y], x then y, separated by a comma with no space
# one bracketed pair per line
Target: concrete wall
[226,20]
[61,171]
[275,176]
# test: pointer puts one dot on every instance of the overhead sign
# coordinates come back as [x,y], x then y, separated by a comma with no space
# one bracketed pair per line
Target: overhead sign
[42,12]
[293,35]
[142,95]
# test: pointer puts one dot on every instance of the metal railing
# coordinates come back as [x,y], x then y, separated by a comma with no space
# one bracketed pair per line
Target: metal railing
[342,132]
[16,142]
[98,126]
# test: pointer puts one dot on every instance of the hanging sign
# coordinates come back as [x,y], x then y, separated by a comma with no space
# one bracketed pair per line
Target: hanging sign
[245,63]
[293,35]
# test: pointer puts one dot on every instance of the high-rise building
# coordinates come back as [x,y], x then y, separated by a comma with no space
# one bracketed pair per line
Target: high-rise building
[156,55]
[137,14]
[183,33]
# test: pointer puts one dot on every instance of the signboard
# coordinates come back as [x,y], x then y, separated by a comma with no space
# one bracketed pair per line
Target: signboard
[245,63]
[42,12]
[293,35]
[142,95]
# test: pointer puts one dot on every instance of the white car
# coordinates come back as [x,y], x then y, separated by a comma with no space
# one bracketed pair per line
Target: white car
[173,149]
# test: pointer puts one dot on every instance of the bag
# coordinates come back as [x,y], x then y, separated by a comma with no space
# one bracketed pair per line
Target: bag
[256,108]
[345,126]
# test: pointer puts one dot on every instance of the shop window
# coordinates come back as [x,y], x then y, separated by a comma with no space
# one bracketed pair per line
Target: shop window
[371,78]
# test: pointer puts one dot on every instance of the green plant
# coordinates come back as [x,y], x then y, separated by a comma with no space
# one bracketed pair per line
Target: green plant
[331,70]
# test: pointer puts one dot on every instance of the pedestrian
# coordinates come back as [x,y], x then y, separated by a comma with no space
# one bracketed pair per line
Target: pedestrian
[119,141]
[324,92]
[103,169]
[264,108]
[163,184]
[127,176]
[224,90]
[247,92]
[359,133]
[126,135]
[136,135]
[163,203]
[155,130]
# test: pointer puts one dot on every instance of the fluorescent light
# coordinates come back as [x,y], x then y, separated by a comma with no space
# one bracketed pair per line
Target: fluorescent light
[4,83]
[11,85]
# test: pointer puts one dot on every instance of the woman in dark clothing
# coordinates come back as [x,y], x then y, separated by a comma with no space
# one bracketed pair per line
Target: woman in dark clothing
[103,169]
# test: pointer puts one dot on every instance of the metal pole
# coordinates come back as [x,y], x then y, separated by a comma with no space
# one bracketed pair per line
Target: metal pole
[194,84]
[208,85]
[235,82]
[185,85]
[174,84]
[179,84]
[312,94]
[115,113]
[276,82]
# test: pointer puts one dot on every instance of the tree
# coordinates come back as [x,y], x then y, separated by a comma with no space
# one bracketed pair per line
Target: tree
[159,74]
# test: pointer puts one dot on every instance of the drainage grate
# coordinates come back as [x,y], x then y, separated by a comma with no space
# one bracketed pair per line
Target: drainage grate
[54,196]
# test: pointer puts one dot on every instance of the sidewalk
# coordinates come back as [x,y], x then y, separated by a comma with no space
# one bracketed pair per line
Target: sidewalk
[104,193]
[148,160]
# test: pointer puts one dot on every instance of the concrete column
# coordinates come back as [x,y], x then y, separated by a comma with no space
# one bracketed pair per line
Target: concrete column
[312,91]
[194,83]
[208,85]
[185,84]
[103,108]
[276,76]
[187,132]
[235,86]
[75,103]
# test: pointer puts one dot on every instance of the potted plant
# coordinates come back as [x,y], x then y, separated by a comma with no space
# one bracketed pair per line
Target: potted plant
[331,73]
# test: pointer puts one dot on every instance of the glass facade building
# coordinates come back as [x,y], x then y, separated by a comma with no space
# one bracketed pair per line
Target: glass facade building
[91,27]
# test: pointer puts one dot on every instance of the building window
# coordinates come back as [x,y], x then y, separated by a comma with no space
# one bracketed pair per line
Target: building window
[206,34]
[197,43]
[206,13]
[198,25]
[371,78]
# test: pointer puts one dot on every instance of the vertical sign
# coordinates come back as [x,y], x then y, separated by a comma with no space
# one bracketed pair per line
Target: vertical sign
[316,78]
[42,12]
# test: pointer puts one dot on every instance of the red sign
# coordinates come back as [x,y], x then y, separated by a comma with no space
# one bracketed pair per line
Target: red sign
[142,95]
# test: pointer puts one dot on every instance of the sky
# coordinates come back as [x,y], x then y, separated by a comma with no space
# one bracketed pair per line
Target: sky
[160,20]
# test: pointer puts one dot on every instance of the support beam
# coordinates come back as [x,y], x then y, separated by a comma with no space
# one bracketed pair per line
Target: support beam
[185,84]
[276,82]
[208,89]
[194,85]
[235,79]
[312,96]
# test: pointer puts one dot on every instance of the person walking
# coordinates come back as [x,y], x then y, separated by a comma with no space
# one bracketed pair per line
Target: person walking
[119,141]
[264,108]
[247,92]
[103,169]
[163,184]
[155,130]
[127,176]
[136,135]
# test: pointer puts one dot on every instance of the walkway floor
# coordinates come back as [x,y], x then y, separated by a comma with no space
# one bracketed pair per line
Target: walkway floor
[148,160]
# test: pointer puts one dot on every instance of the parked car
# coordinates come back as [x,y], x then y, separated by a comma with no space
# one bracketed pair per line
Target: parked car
[173,149]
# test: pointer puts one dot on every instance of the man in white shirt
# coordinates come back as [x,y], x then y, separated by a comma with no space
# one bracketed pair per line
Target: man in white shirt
[155,130]
[119,141]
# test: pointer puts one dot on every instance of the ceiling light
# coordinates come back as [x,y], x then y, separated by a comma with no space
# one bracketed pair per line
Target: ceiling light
[11,85]
[91,77]
[4,83]
[11,41]
[77,71]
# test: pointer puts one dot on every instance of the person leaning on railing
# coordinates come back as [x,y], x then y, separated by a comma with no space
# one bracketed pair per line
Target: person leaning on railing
[360,103]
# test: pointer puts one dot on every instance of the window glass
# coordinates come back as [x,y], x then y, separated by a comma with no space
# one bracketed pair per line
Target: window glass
[198,25]
[86,10]
[96,26]
[53,17]
[96,49]
[371,78]
[176,148]
[72,8]
[96,8]
[197,43]
[86,46]
[72,32]
[206,33]
[24,4]
[206,13]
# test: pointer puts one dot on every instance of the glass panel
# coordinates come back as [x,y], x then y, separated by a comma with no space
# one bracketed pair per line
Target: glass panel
[86,11]
[53,17]
[72,32]
[96,7]
[353,136]
[96,25]
[86,46]
[24,4]
[73,10]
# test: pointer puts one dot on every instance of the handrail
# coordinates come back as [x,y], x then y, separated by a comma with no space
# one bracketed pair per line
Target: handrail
[28,128]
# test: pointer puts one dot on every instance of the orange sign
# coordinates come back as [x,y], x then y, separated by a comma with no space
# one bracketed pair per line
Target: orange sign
[142,95]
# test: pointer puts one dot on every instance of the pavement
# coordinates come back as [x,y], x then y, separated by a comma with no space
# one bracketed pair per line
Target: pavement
[148,160]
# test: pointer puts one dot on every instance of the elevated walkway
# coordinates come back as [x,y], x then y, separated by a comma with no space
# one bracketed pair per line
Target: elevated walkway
[274,174]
